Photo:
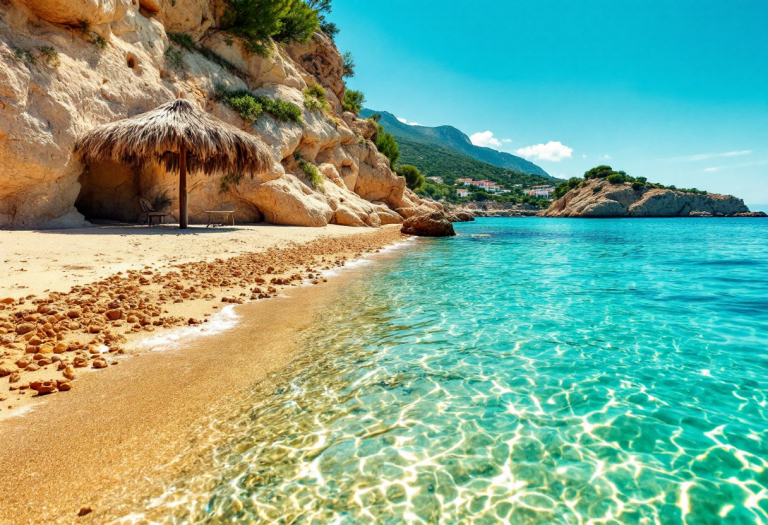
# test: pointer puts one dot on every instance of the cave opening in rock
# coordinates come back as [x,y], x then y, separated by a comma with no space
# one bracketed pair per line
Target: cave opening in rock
[111,191]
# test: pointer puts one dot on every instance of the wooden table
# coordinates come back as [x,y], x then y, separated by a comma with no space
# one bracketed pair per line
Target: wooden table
[226,216]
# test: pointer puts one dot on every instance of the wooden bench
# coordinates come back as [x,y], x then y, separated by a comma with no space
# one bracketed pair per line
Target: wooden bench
[149,212]
[226,216]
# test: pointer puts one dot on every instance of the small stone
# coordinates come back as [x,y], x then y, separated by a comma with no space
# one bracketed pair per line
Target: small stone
[63,386]
[15,377]
[32,367]
[24,328]
[94,329]
[100,362]
[132,319]
[7,369]
[60,348]
[24,361]
[69,373]
[74,313]
[7,300]
[46,349]
[35,341]
[84,510]
[80,362]
[43,387]
[114,315]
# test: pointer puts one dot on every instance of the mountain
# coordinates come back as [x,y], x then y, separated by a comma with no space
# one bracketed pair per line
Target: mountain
[452,139]
[436,161]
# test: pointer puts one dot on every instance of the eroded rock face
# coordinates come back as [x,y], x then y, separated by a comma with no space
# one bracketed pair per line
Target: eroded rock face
[434,224]
[598,198]
[45,104]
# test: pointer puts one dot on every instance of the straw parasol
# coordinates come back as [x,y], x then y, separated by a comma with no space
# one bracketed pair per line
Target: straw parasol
[181,138]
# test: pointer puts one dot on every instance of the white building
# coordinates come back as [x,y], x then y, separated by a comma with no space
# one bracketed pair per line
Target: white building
[462,192]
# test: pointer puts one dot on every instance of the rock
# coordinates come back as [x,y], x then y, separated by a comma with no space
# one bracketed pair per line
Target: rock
[7,300]
[24,361]
[434,224]
[74,313]
[69,373]
[67,12]
[14,378]
[289,201]
[80,362]
[752,214]
[60,348]
[46,349]
[464,216]
[32,367]
[95,329]
[63,385]
[7,369]
[598,198]
[24,328]
[100,362]
[43,387]
[114,315]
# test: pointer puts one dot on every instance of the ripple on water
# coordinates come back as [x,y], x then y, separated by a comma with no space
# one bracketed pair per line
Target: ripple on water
[552,372]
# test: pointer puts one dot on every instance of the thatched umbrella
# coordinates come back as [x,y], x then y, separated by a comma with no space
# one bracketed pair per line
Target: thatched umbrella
[180,137]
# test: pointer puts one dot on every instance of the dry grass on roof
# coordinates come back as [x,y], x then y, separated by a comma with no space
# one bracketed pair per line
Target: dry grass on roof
[213,146]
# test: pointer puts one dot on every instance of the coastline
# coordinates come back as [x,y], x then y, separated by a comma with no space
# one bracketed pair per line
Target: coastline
[50,340]
[97,440]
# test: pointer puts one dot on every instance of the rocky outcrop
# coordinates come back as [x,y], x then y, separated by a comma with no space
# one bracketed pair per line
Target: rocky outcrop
[434,224]
[598,198]
[69,65]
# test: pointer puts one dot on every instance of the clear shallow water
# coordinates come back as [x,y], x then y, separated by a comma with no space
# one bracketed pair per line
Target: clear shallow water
[529,371]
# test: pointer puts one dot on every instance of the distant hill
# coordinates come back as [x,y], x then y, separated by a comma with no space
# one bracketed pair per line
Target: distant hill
[450,138]
[435,161]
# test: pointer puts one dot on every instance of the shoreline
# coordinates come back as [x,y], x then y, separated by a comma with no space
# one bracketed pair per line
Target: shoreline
[47,342]
[151,405]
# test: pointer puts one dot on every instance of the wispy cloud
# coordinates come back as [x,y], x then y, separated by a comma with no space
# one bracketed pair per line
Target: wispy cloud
[405,121]
[707,156]
[554,151]
[732,166]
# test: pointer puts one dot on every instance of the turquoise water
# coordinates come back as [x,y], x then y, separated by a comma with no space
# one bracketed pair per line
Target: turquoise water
[528,371]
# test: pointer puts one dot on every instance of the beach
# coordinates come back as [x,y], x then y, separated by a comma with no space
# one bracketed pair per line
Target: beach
[108,427]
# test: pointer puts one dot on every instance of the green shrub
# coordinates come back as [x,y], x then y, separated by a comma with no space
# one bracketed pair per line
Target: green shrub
[98,41]
[565,186]
[242,102]
[50,55]
[387,145]
[280,109]
[24,55]
[353,101]
[330,29]
[616,178]
[183,39]
[349,65]
[413,177]
[311,171]
[637,185]
[160,200]
[255,21]
[599,172]
[314,98]
[298,24]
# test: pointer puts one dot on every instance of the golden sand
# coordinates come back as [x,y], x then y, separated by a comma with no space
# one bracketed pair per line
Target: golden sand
[97,445]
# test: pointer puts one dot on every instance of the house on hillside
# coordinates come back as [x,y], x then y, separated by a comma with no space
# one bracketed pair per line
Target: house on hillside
[463,193]
[438,180]
[544,192]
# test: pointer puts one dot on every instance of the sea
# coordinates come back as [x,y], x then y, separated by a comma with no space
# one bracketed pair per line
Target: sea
[527,371]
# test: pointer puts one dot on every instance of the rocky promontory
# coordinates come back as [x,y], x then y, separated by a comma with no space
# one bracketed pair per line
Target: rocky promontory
[597,197]
[67,66]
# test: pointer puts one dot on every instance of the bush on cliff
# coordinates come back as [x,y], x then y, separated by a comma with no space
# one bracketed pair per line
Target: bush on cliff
[353,101]
[387,145]
[298,25]
[256,22]
[250,107]
[314,98]
[413,177]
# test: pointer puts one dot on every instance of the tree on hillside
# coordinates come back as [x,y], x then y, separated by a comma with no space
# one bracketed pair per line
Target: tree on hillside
[413,177]
[353,101]
[299,23]
[349,65]
[255,21]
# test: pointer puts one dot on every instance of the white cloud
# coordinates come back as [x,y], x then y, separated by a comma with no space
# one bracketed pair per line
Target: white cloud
[706,156]
[583,156]
[739,165]
[711,169]
[554,151]
[414,124]
[506,141]
[403,120]
[605,157]
[485,139]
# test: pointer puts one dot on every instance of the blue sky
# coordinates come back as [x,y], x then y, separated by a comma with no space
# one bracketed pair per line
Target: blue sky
[676,91]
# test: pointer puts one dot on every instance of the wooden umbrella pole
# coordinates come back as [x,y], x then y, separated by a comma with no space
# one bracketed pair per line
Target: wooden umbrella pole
[183,209]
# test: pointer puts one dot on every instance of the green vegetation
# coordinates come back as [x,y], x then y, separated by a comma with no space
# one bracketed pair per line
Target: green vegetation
[387,145]
[311,171]
[615,177]
[229,180]
[160,200]
[298,24]
[250,107]
[258,22]
[23,55]
[184,40]
[322,8]
[98,41]
[50,55]
[353,101]
[413,177]
[349,65]
[314,98]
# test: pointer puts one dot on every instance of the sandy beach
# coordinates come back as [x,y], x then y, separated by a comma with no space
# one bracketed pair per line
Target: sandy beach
[78,303]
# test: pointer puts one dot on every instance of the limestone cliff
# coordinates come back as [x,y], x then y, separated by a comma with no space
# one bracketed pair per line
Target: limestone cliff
[599,198]
[69,65]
